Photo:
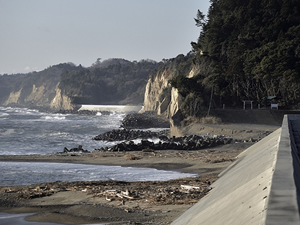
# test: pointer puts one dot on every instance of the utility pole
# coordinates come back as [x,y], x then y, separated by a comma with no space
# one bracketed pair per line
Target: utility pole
[211,95]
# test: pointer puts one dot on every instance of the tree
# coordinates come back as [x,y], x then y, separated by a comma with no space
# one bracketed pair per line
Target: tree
[200,19]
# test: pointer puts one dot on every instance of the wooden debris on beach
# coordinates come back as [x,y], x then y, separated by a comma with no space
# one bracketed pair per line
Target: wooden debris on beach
[179,191]
[132,157]
[189,187]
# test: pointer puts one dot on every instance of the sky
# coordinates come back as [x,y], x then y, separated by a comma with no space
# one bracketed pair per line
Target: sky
[36,34]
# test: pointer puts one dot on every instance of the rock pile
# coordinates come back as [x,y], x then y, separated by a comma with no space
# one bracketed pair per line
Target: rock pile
[192,142]
[144,121]
[125,134]
[75,150]
[76,111]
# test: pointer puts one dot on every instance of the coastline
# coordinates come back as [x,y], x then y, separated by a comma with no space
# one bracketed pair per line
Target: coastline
[65,206]
[185,161]
[73,205]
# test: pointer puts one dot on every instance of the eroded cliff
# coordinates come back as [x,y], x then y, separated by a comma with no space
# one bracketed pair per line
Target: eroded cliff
[163,98]
[64,86]
[40,97]
[61,101]
[36,89]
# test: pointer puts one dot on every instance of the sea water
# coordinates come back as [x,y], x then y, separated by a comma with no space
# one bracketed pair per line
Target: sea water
[19,219]
[26,131]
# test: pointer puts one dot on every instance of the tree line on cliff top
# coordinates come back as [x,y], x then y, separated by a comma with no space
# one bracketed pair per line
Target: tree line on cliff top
[113,81]
[246,50]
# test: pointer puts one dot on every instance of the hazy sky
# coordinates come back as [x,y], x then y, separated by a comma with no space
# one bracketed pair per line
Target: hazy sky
[35,34]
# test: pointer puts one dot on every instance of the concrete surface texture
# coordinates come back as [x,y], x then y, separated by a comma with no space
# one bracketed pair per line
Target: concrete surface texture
[241,194]
[117,108]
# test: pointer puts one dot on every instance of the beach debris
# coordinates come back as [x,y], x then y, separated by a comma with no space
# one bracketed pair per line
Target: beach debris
[108,199]
[79,149]
[189,187]
[132,157]
[178,191]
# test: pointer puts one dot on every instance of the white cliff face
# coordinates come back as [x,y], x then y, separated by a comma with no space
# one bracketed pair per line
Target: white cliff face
[154,89]
[175,103]
[194,71]
[41,97]
[61,101]
[36,94]
[167,105]
[170,104]
[13,98]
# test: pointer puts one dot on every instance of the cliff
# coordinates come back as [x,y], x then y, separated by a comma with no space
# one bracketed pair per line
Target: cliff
[160,96]
[163,97]
[36,89]
[61,101]
[64,86]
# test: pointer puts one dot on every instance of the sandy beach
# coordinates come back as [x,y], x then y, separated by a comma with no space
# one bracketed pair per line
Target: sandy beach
[117,202]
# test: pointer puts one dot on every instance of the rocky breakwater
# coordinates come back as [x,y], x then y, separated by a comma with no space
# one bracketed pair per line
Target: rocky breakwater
[192,142]
[144,121]
[125,134]
[75,150]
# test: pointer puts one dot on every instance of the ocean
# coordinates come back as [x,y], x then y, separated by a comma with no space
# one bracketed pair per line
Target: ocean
[26,132]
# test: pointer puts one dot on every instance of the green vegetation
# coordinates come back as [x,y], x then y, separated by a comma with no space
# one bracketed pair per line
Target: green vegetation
[114,81]
[246,50]
[47,79]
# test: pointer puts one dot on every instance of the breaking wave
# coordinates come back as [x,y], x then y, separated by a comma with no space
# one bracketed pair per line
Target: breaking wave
[54,117]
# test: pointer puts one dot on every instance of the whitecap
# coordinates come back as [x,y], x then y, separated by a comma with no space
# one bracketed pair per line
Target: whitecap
[54,117]
[4,114]
[98,114]
[154,140]
[7,131]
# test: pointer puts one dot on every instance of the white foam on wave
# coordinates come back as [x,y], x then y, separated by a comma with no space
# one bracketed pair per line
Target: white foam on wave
[154,129]
[154,140]
[121,115]
[98,114]
[7,109]
[4,114]
[19,110]
[54,117]
[57,133]
[98,144]
[7,131]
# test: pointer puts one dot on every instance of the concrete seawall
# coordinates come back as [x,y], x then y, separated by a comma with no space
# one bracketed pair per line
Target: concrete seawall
[117,108]
[258,188]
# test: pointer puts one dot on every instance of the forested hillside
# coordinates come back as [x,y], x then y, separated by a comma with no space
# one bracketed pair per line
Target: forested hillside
[35,89]
[114,81]
[247,50]
[62,86]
